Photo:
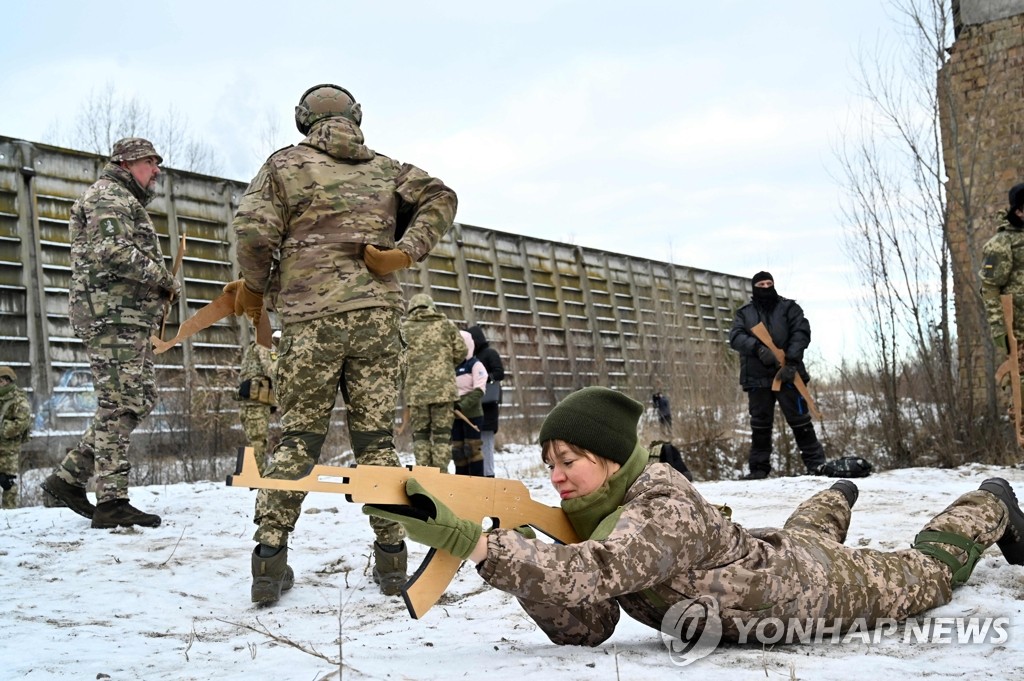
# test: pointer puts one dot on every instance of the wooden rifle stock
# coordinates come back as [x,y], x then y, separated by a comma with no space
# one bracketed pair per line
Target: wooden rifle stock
[506,502]
[463,417]
[760,331]
[217,309]
[1012,365]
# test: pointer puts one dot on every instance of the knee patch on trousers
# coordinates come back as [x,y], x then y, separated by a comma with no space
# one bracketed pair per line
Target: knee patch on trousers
[928,542]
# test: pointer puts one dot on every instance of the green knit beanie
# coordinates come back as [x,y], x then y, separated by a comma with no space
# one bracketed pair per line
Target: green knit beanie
[598,419]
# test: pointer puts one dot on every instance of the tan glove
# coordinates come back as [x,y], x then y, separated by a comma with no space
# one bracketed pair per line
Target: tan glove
[247,301]
[383,263]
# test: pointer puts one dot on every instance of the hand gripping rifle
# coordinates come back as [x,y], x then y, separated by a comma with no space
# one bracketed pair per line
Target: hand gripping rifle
[506,502]
[1011,365]
[761,333]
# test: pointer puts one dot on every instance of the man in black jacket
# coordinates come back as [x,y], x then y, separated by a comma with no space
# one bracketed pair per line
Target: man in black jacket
[791,333]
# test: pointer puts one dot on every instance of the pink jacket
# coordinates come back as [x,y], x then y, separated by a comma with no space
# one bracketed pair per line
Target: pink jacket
[476,377]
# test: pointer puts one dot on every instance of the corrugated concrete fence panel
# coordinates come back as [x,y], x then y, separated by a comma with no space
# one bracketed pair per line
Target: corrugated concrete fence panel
[561,316]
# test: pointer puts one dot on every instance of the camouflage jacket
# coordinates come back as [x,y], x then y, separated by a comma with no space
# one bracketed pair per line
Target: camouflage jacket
[669,544]
[1002,271]
[316,205]
[435,349]
[118,275]
[15,416]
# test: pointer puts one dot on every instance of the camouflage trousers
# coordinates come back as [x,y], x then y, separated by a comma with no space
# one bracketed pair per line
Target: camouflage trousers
[9,455]
[121,358]
[360,351]
[842,584]
[255,420]
[432,434]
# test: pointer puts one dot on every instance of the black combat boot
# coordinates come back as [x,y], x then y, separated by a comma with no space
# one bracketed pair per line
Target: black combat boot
[1012,541]
[848,490]
[120,513]
[389,567]
[270,576]
[60,493]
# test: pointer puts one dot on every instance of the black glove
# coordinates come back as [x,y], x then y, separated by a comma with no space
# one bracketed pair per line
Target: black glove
[7,481]
[245,389]
[767,357]
[787,374]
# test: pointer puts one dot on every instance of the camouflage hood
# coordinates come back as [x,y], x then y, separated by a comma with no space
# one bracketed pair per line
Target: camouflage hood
[1005,225]
[118,174]
[421,300]
[339,138]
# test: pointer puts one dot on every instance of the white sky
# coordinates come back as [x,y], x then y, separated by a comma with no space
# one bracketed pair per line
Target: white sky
[699,133]
[172,603]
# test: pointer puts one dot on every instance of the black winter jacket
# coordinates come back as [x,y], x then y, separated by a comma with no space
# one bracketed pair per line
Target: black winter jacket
[789,329]
[495,372]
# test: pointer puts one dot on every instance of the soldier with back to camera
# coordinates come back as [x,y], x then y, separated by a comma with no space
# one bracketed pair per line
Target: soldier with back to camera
[322,229]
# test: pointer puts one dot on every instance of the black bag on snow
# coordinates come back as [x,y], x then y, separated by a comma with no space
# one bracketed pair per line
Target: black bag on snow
[846,467]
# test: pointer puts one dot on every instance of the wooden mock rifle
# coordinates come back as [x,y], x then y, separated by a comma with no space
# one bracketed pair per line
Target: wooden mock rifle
[178,258]
[217,309]
[760,331]
[506,502]
[1012,365]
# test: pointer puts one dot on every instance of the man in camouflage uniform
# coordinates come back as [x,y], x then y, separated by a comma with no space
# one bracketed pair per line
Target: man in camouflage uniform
[256,399]
[318,231]
[119,289]
[435,348]
[1002,272]
[15,425]
[649,541]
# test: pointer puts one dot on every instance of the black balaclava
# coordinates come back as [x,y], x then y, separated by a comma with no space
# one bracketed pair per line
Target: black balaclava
[1016,203]
[765,298]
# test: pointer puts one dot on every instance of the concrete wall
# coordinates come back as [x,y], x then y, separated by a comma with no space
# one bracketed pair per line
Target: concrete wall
[974,12]
[562,316]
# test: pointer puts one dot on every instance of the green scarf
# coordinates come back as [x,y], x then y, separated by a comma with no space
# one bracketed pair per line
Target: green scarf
[7,390]
[593,516]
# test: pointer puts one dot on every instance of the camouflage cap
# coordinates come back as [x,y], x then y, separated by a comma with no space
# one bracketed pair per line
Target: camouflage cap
[8,372]
[132,149]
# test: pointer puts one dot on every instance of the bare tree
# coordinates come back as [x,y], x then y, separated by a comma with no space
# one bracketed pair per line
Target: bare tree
[269,136]
[898,237]
[106,116]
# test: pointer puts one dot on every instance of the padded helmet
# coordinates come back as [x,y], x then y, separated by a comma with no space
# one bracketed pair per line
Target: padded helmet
[326,101]
[8,372]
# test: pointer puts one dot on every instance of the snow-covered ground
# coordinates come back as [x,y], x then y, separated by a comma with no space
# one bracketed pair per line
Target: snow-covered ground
[173,602]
